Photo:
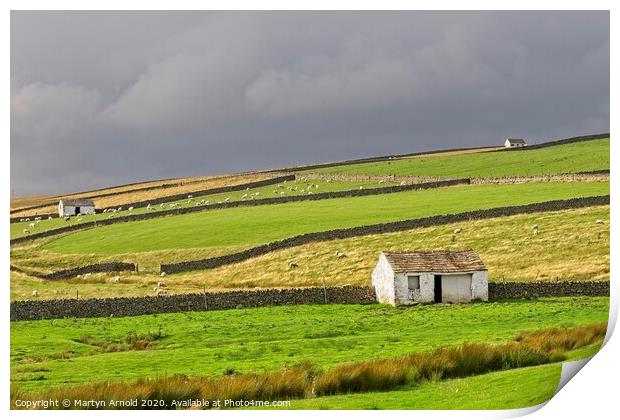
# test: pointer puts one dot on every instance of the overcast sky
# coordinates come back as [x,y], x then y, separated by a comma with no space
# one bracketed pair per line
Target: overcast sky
[103,98]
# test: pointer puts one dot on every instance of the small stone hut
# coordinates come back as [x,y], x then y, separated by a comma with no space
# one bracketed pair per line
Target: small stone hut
[440,276]
[75,206]
[515,143]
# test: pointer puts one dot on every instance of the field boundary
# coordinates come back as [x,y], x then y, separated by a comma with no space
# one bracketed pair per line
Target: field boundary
[247,203]
[160,200]
[27,310]
[552,143]
[364,230]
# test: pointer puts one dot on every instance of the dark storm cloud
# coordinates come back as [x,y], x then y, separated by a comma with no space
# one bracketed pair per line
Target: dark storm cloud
[99,98]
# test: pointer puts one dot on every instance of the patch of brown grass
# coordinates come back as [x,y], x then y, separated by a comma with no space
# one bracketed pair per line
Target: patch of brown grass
[131,194]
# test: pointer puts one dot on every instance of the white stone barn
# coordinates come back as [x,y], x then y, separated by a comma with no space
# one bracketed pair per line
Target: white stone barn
[405,278]
[515,143]
[75,207]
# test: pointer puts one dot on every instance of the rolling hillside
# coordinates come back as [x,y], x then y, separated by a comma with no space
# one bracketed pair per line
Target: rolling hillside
[567,158]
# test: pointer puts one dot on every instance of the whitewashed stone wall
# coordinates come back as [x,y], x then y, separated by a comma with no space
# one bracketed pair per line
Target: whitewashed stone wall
[480,285]
[383,281]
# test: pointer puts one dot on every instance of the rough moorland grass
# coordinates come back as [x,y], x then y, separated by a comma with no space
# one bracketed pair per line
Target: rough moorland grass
[568,158]
[133,193]
[269,191]
[247,226]
[503,390]
[266,339]
[531,349]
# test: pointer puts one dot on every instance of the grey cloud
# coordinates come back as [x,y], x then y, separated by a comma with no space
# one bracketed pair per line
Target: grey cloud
[99,98]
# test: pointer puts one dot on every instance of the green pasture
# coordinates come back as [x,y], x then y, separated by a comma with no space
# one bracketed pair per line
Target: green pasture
[247,226]
[53,353]
[567,158]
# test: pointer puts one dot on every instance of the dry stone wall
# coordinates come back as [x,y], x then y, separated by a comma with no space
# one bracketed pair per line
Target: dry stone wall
[216,206]
[547,206]
[93,268]
[133,306]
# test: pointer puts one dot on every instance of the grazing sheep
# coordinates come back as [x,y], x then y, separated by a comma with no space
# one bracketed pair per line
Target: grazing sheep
[244,196]
[21,220]
[130,208]
[190,196]
[49,218]
[402,182]
[120,209]
[31,225]
[340,255]
[35,293]
[361,188]
[27,219]
[36,219]
[535,230]
[293,264]
[117,279]
[26,231]
[163,274]
[227,199]
[600,222]
[458,230]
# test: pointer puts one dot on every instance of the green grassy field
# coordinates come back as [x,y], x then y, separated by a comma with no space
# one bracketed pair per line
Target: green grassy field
[580,254]
[283,189]
[568,158]
[264,339]
[248,226]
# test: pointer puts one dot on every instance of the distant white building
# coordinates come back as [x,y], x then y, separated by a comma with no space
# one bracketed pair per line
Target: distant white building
[73,207]
[405,278]
[515,143]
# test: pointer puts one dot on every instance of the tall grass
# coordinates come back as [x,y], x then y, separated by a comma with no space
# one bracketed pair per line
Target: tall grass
[529,349]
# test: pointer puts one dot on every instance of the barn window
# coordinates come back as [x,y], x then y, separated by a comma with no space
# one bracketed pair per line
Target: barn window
[413,282]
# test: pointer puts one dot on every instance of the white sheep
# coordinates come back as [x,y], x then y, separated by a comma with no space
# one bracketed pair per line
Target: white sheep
[26,231]
[31,225]
[293,264]
[600,222]
[458,230]
[340,255]
[227,199]
[535,230]
[117,279]
[163,274]
[190,196]
[49,218]
[130,208]
[35,293]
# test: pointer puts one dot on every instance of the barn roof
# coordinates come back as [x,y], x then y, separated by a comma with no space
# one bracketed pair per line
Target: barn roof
[440,261]
[516,141]
[78,202]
